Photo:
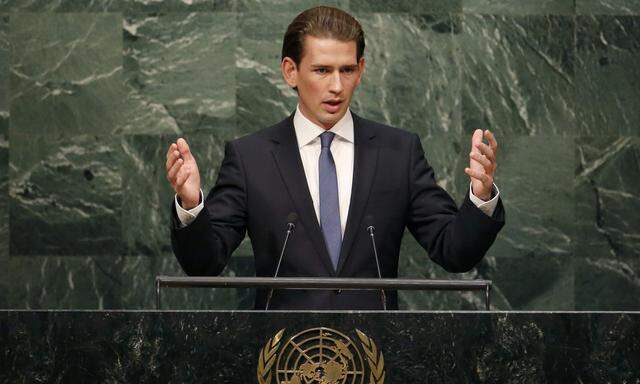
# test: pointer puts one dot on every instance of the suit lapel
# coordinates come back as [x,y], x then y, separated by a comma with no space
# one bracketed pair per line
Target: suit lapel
[287,157]
[364,169]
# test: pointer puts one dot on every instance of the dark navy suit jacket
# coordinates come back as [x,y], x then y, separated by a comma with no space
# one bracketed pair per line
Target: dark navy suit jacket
[261,181]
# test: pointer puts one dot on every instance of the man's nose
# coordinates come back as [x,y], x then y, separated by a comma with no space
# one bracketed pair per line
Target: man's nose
[336,82]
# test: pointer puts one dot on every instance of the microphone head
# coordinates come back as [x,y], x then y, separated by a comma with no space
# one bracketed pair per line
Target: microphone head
[368,222]
[292,217]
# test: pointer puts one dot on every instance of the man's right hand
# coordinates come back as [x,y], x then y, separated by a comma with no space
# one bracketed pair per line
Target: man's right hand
[183,174]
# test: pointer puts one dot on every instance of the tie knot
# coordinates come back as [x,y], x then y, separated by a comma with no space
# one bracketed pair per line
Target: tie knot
[326,138]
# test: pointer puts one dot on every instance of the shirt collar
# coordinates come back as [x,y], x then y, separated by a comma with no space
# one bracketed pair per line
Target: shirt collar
[307,131]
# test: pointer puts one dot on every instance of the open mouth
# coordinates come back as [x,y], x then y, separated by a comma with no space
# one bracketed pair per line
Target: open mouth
[332,106]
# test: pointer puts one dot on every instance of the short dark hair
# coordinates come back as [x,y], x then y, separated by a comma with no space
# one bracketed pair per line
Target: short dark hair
[325,22]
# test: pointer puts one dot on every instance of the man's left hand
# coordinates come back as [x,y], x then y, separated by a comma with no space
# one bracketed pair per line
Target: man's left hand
[482,163]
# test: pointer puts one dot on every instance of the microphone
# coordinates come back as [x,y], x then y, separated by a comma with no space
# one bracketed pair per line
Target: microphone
[368,219]
[292,217]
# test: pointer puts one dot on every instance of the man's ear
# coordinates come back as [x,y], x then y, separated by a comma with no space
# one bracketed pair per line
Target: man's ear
[360,70]
[289,72]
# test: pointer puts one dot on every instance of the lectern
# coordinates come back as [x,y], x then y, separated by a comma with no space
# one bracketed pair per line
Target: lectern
[322,347]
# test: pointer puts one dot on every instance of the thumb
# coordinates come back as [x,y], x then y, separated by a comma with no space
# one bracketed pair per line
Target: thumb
[184,150]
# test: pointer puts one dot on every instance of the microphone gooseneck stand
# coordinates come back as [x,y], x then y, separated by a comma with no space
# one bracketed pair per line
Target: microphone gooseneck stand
[371,229]
[290,227]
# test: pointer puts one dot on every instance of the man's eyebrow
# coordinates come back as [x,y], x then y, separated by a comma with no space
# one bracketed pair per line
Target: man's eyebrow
[350,66]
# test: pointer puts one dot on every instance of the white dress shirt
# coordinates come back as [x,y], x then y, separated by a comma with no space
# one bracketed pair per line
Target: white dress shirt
[308,137]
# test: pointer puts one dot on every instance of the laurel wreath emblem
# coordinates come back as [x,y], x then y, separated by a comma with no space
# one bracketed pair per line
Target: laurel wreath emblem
[268,357]
[374,358]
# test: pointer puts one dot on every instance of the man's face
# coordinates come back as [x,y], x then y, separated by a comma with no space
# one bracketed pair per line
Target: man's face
[326,78]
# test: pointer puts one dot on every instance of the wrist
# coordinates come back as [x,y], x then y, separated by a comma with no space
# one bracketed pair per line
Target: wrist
[188,203]
[484,196]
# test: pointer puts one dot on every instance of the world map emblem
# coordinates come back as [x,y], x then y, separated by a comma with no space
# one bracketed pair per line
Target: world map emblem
[320,356]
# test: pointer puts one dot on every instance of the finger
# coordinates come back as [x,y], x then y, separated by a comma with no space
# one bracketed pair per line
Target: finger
[172,157]
[486,163]
[493,143]
[183,147]
[171,175]
[481,176]
[476,139]
[487,151]
[172,147]
[182,177]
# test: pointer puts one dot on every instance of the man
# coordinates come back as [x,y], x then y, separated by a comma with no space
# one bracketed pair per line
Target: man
[337,173]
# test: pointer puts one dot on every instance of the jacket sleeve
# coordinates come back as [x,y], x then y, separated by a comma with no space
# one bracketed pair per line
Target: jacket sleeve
[455,238]
[204,246]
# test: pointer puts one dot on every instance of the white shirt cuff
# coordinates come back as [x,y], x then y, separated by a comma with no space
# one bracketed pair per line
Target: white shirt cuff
[187,216]
[485,206]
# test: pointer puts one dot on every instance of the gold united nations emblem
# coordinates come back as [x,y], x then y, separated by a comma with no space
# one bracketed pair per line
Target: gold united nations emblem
[320,356]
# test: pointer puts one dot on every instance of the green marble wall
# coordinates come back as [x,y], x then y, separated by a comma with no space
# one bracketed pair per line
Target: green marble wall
[92,92]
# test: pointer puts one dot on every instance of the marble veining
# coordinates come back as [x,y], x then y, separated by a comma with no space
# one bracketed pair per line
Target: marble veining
[92,92]
[443,347]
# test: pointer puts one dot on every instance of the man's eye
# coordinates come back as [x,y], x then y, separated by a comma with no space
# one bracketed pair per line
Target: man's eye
[348,70]
[321,70]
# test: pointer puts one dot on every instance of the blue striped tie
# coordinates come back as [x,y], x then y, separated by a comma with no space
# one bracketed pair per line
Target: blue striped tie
[329,208]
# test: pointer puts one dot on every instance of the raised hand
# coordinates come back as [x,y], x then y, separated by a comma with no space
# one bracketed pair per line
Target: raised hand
[482,163]
[183,174]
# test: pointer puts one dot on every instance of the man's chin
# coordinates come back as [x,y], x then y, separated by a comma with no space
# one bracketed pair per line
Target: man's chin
[334,116]
[330,121]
